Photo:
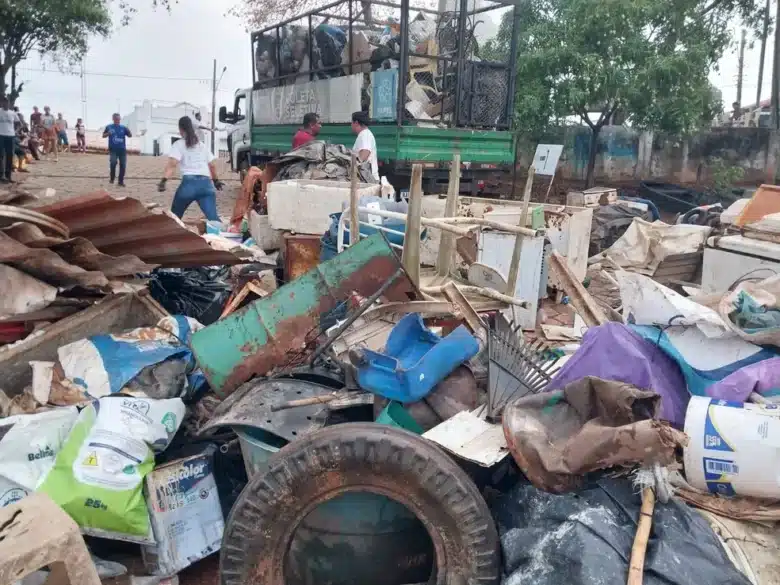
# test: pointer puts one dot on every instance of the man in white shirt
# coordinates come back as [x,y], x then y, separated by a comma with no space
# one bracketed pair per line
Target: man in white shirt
[7,133]
[365,144]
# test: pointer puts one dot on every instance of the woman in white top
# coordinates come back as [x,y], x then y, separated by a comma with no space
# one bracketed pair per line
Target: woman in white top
[199,180]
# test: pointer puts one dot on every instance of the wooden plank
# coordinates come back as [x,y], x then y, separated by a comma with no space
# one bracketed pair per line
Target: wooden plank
[112,315]
[447,244]
[354,225]
[580,298]
[467,312]
[514,265]
[411,253]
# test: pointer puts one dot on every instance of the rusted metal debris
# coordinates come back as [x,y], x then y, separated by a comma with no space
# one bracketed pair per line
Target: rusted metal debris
[47,266]
[78,251]
[10,214]
[123,226]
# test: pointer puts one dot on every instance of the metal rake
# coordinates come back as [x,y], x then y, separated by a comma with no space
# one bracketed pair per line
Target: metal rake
[516,368]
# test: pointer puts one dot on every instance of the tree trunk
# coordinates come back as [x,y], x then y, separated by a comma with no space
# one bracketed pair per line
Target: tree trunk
[594,148]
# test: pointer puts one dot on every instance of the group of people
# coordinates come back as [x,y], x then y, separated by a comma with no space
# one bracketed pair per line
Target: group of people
[44,135]
[365,143]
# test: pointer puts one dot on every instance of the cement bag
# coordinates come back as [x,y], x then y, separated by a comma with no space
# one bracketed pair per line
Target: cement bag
[98,475]
[28,445]
[104,364]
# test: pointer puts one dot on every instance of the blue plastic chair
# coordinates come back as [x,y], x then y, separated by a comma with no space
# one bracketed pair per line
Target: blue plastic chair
[415,360]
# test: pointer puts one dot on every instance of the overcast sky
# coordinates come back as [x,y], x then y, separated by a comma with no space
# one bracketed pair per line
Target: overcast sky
[183,44]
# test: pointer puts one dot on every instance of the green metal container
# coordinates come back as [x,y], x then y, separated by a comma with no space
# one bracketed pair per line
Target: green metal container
[266,333]
[353,539]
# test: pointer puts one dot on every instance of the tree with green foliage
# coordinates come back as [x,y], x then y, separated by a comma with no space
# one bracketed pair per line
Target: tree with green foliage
[59,28]
[647,59]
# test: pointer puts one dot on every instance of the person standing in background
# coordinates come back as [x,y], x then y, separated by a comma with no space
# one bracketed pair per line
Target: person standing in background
[311,127]
[7,134]
[117,135]
[62,132]
[19,115]
[49,124]
[365,144]
[199,181]
[35,120]
[81,136]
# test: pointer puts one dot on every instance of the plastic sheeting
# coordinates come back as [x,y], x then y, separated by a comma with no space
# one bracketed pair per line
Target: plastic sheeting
[762,377]
[585,538]
[629,359]
[645,245]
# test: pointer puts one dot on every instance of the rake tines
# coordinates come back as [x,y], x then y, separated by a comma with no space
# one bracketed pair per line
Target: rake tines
[515,368]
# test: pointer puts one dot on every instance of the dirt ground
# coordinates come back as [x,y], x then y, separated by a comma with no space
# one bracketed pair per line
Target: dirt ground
[78,174]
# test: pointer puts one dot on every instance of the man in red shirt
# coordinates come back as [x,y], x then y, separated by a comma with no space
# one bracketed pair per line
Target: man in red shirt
[311,127]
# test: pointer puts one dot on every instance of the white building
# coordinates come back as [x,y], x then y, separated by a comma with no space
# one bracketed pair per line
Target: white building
[157,127]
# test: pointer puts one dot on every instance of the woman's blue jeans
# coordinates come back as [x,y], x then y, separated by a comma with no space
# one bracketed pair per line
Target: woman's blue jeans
[196,188]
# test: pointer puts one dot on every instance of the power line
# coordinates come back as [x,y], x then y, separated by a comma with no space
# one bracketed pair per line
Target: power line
[104,74]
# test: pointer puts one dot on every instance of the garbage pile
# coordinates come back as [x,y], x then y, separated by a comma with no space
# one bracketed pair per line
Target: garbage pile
[358,415]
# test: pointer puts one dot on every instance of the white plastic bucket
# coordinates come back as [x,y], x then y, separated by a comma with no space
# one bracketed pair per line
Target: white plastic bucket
[733,448]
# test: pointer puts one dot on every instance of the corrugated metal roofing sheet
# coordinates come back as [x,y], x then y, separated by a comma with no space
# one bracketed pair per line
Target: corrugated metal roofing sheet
[119,226]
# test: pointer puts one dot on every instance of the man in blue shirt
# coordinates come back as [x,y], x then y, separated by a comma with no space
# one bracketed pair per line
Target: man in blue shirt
[117,148]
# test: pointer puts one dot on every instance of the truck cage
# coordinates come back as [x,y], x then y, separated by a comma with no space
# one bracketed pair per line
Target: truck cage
[436,53]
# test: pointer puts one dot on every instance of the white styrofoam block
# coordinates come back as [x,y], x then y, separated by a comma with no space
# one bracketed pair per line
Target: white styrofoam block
[304,207]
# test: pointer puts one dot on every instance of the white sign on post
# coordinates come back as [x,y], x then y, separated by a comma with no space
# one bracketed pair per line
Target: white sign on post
[546,158]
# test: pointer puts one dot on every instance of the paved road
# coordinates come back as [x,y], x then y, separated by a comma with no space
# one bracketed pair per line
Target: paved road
[78,174]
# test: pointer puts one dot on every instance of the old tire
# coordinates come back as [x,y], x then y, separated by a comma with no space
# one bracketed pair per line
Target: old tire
[360,457]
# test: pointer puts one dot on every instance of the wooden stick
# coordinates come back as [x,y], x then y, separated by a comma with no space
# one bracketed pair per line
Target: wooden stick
[636,567]
[447,244]
[410,256]
[354,224]
[305,402]
[514,265]
[491,223]
[546,195]
[477,290]
[473,321]
[580,298]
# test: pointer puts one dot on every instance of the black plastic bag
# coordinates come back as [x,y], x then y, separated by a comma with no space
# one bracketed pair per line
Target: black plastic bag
[585,538]
[200,293]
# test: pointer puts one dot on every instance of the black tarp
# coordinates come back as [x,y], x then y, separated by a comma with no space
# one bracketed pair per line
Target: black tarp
[585,538]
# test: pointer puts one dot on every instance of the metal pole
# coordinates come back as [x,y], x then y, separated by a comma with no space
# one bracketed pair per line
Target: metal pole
[741,67]
[403,69]
[776,76]
[763,55]
[510,96]
[213,105]
[464,8]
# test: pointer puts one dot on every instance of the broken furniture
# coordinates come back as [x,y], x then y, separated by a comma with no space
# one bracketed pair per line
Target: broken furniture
[35,533]
[414,360]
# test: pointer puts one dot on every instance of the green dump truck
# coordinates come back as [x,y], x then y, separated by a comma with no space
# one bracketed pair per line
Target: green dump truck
[351,56]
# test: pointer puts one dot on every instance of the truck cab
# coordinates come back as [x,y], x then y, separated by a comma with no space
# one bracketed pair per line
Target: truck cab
[239,137]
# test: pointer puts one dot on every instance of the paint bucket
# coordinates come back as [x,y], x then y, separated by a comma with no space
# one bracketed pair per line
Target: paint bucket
[733,448]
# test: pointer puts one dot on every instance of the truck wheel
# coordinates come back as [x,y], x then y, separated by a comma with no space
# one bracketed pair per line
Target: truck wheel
[362,457]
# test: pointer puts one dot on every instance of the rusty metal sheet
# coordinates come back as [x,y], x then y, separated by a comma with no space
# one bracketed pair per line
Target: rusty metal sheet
[252,405]
[301,254]
[272,332]
[10,214]
[122,226]
[47,266]
[79,251]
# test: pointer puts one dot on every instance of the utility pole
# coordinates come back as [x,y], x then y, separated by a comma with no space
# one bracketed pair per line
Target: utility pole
[213,105]
[762,58]
[741,67]
[776,76]
[83,92]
